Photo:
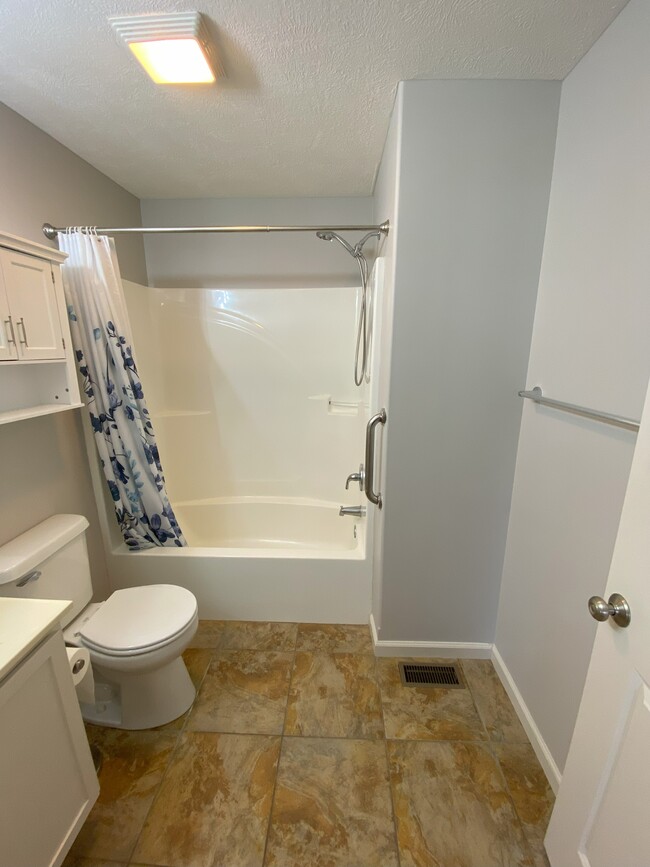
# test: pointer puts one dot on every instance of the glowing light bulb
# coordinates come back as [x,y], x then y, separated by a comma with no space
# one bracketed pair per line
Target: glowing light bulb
[174,61]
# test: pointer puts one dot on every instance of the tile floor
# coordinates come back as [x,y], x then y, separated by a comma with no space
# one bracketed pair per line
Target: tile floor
[303,750]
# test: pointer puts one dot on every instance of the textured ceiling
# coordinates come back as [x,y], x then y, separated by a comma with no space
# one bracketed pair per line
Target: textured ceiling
[305,107]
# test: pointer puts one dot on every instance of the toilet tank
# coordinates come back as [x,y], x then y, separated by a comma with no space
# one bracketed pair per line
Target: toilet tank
[50,561]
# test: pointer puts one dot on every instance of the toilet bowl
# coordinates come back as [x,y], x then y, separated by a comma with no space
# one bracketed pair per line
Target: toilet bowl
[134,639]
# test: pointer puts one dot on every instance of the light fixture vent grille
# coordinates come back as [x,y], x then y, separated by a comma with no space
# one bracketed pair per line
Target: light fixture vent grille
[133,29]
[431,675]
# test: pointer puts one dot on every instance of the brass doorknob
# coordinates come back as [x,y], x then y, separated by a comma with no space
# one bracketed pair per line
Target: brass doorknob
[617,608]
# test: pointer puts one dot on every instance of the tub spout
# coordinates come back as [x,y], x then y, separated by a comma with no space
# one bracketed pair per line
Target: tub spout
[353,511]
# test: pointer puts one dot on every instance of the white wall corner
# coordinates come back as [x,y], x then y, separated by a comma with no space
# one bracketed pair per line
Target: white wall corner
[429,649]
[538,743]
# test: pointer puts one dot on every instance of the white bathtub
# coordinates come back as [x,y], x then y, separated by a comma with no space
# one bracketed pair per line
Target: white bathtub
[261,558]
[263,523]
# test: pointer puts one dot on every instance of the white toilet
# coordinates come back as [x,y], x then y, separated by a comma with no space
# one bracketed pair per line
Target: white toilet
[135,639]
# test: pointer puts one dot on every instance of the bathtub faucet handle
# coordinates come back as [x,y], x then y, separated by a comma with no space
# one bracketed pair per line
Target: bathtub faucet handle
[356,477]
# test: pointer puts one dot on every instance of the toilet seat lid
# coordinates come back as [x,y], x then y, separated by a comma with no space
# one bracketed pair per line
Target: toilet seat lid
[138,618]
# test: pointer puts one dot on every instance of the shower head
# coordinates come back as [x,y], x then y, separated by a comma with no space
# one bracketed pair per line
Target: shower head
[333,236]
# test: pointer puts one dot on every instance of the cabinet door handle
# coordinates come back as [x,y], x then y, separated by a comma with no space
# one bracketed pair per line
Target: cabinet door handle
[11,339]
[21,321]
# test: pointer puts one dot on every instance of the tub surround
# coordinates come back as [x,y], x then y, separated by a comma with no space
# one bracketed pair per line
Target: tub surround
[23,624]
[255,457]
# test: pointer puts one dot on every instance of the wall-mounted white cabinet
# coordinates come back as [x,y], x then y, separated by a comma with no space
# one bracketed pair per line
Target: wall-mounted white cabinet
[28,305]
[37,370]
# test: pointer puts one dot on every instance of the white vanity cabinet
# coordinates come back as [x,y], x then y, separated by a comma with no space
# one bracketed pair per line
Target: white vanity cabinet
[37,366]
[47,777]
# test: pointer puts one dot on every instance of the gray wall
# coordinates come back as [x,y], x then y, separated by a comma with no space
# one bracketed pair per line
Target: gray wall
[590,346]
[233,261]
[386,208]
[43,463]
[474,180]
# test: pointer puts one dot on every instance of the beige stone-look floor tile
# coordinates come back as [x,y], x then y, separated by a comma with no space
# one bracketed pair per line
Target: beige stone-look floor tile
[419,713]
[334,638]
[494,706]
[530,792]
[132,768]
[334,695]
[213,806]
[258,635]
[77,861]
[452,808]
[244,691]
[209,634]
[332,806]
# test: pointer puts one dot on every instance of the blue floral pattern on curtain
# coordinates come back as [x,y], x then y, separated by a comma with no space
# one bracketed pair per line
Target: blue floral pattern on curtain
[119,417]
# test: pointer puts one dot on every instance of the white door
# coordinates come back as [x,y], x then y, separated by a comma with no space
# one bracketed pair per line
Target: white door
[7,340]
[602,813]
[32,301]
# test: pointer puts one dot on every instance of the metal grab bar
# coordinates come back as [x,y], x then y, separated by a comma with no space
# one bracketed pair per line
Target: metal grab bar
[369,481]
[608,418]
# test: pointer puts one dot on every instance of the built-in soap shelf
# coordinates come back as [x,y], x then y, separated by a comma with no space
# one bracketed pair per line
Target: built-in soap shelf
[340,407]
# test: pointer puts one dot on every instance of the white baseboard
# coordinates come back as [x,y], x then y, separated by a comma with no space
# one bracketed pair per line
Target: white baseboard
[477,650]
[429,649]
[538,743]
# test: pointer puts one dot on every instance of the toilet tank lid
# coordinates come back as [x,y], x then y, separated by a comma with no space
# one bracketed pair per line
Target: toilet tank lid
[33,547]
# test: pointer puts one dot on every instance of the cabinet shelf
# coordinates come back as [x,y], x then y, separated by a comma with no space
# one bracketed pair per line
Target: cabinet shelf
[22,362]
[34,411]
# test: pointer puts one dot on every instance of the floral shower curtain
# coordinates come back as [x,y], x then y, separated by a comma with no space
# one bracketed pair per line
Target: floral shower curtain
[120,421]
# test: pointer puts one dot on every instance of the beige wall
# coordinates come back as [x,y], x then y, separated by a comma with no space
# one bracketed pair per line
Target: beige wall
[43,182]
[43,464]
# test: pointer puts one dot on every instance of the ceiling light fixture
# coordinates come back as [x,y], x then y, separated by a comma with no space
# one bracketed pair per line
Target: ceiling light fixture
[173,49]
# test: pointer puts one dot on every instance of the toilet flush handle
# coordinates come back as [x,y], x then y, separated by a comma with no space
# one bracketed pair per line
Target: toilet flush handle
[34,575]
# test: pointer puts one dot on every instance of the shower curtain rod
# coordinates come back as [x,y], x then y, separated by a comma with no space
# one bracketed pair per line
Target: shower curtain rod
[51,231]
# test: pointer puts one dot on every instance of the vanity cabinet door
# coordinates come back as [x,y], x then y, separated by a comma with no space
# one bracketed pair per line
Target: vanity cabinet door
[7,341]
[29,285]
[47,777]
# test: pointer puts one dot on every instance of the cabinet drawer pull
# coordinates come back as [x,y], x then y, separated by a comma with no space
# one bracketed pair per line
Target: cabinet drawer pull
[21,321]
[11,339]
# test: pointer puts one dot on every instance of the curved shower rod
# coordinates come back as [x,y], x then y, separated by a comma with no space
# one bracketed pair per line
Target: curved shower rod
[51,231]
